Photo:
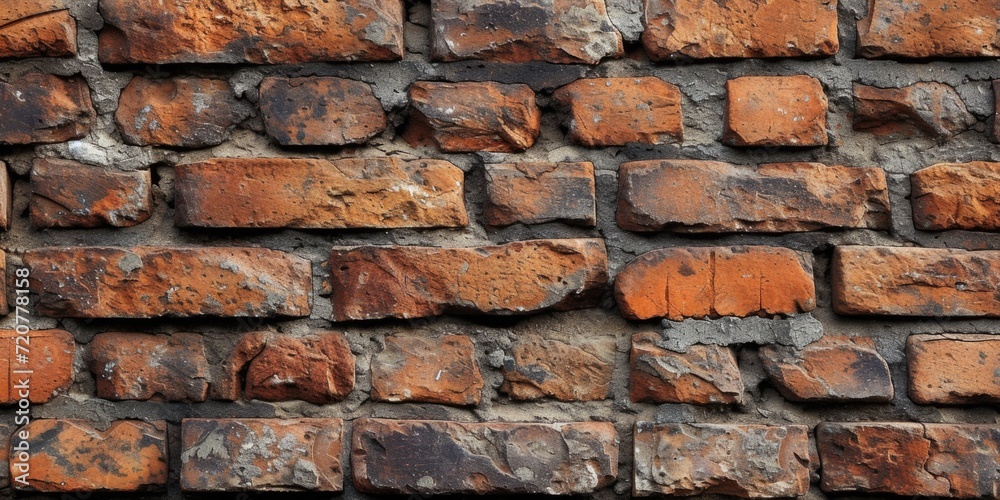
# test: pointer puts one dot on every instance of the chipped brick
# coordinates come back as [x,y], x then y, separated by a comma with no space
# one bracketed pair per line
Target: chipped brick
[929,28]
[40,108]
[37,28]
[142,367]
[956,196]
[775,111]
[320,111]
[67,194]
[830,369]
[536,193]
[177,112]
[954,369]
[704,375]
[924,108]
[50,360]
[617,111]
[564,370]
[440,370]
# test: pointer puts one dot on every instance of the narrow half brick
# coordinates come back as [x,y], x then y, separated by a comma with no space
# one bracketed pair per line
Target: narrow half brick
[68,194]
[832,369]
[693,196]
[516,278]
[535,193]
[320,111]
[929,29]
[561,369]
[704,375]
[41,108]
[440,370]
[956,196]
[177,112]
[37,28]
[954,368]
[924,108]
[775,111]
[148,282]
[617,111]
[389,457]
[347,193]
[139,366]
[50,360]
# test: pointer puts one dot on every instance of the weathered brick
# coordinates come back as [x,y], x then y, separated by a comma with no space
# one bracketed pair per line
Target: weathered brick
[440,370]
[37,28]
[389,456]
[915,281]
[830,369]
[743,28]
[693,196]
[705,374]
[956,196]
[929,28]
[72,455]
[4,306]
[750,461]
[577,369]
[535,193]
[700,282]
[254,31]
[954,368]
[320,111]
[6,203]
[262,454]
[142,366]
[911,459]
[318,369]
[40,108]
[775,111]
[516,278]
[178,112]
[315,193]
[617,111]
[473,116]
[148,282]
[65,193]
[924,108]
[557,31]
[50,362]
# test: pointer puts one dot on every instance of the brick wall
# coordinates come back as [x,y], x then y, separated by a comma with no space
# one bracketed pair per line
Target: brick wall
[602,247]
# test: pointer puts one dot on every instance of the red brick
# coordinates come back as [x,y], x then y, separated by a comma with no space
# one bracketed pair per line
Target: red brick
[704,375]
[320,111]
[66,193]
[390,457]
[536,193]
[924,108]
[318,369]
[617,111]
[149,282]
[516,278]
[178,112]
[37,28]
[440,370]
[40,108]
[693,196]
[262,454]
[73,455]
[314,193]
[954,368]
[830,369]
[740,28]
[749,461]
[929,28]
[253,31]
[557,31]
[956,196]
[911,459]
[158,367]
[710,282]
[6,199]
[50,361]
[915,281]
[775,111]
[564,370]
[473,116]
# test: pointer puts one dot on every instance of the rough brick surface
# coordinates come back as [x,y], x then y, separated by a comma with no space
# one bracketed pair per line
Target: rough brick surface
[37,28]
[705,374]
[929,28]
[693,196]
[956,196]
[775,111]
[700,282]
[473,116]
[564,370]
[830,369]
[318,369]
[742,28]
[146,282]
[320,111]
[750,461]
[50,361]
[535,193]
[158,367]
[516,278]
[179,112]
[66,193]
[911,459]
[72,455]
[927,108]
[954,368]
[915,281]
[388,456]
[440,370]
[617,111]
[40,108]
[262,454]
[313,193]
[254,31]
[557,31]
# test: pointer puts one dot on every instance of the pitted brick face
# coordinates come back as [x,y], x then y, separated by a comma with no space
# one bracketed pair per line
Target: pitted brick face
[924,29]
[140,366]
[46,371]
[177,112]
[320,111]
[439,370]
[41,108]
[953,369]
[775,111]
[617,111]
[37,28]
[956,196]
